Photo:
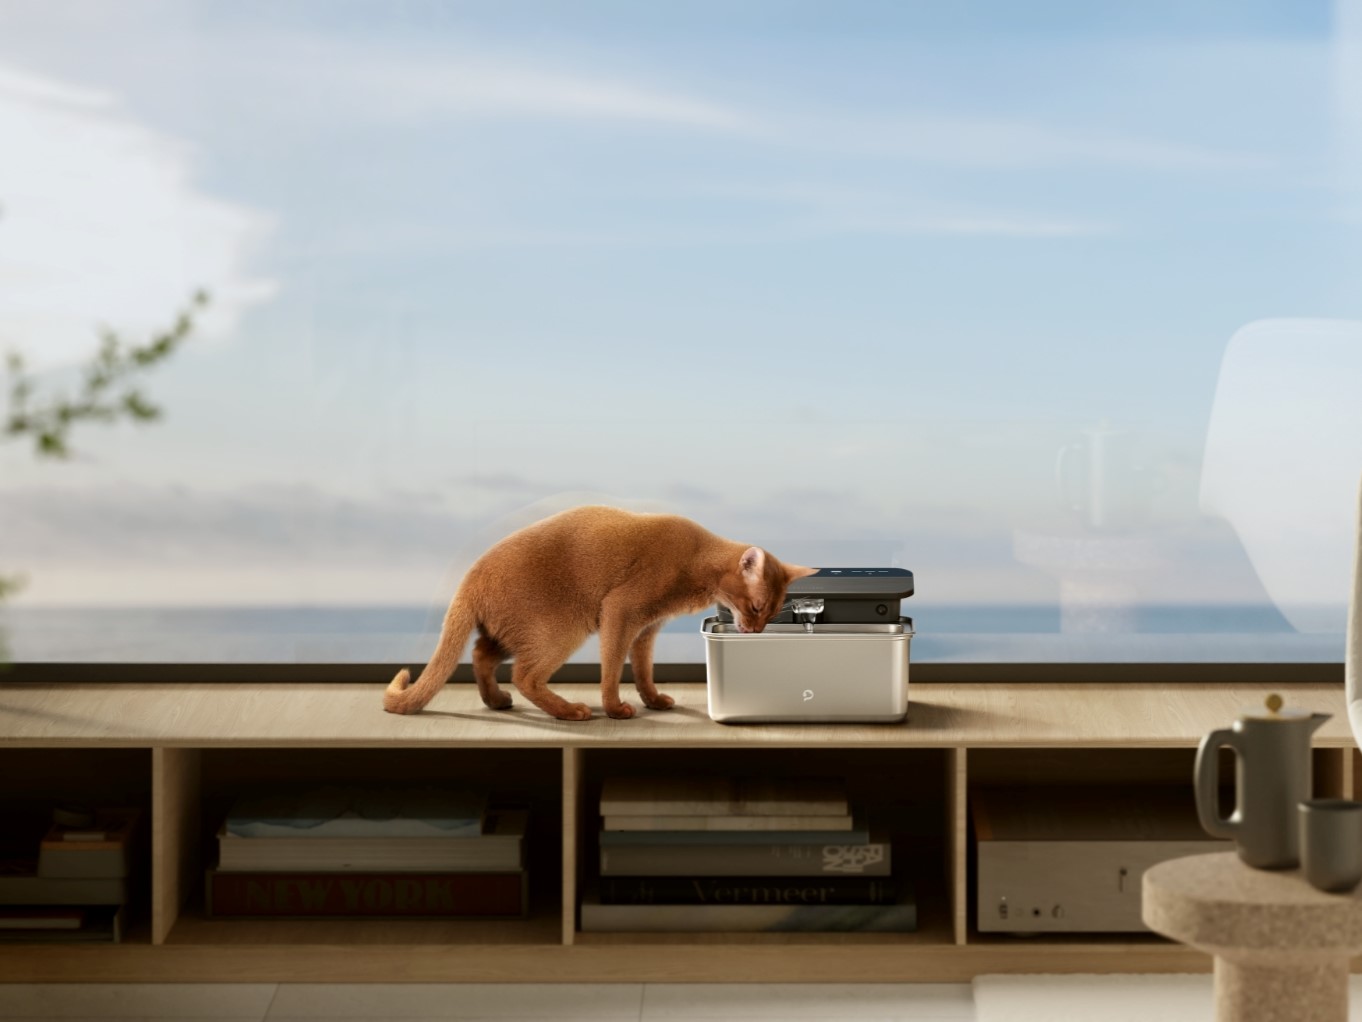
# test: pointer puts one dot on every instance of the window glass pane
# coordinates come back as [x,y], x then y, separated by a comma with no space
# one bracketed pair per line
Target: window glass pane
[1056,305]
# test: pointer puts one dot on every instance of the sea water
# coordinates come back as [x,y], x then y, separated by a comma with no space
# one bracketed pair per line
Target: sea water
[407,634]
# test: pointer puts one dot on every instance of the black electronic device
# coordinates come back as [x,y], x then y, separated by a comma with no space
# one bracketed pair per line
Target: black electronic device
[841,596]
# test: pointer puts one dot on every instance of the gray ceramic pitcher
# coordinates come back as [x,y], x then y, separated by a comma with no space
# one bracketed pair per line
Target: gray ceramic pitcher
[1271,778]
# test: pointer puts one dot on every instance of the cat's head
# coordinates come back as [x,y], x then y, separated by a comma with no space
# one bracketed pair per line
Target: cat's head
[755,589]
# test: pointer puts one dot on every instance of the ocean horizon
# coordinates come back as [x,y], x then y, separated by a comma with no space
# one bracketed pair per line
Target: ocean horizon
[407,634]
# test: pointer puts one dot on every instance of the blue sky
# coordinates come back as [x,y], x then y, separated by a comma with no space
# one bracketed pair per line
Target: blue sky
[838,279]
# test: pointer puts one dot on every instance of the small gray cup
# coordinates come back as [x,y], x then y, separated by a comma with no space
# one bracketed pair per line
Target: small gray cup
[1331,843]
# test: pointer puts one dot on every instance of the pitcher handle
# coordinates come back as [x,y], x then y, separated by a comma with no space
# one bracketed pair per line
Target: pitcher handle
[1208,783]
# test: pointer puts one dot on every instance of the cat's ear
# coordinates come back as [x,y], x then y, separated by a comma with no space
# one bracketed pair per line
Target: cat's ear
[752,562]
[794,571]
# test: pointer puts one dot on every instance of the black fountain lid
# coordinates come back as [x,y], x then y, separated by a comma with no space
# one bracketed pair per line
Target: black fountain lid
[867,583]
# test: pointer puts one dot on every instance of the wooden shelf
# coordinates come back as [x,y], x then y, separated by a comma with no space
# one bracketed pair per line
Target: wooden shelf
[334,716]
[182,750]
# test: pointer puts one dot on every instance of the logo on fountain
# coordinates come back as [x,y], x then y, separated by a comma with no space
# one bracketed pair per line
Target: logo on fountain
[808,694]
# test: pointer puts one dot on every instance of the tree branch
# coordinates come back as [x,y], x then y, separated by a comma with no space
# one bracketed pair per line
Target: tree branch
[107,393]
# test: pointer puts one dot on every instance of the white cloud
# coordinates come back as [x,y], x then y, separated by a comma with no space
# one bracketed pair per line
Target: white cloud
[101,224]
[418,83]
[22,85]
[345,82]
[980,142]
[819,209]
[464,86]
[461,83]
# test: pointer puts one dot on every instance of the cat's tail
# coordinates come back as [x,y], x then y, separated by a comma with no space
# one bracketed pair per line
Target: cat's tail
[401,695]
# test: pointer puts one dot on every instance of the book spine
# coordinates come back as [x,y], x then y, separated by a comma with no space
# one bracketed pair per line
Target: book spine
[101,924]
[365,895]
[73,862]
[672,890]
[713,797]
[337,863]
[615,838]
[728,823]
[41,919]
[897,918]
[497,854]
[367,830]
[748,860]
[35,890]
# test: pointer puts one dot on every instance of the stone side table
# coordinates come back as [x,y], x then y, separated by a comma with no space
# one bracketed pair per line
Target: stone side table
[1281,947]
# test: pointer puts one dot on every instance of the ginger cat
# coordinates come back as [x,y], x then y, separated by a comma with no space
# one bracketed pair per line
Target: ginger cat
[538,593]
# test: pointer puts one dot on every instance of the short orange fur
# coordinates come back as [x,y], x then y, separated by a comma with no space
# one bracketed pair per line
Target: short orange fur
[538,593]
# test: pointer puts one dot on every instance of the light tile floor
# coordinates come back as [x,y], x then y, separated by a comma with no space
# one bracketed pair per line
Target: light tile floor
[427,1002]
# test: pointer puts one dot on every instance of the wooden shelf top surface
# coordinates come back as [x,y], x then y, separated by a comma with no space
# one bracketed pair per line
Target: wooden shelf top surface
[351,715]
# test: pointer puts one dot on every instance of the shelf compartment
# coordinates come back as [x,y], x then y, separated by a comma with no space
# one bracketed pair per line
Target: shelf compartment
[32,780]
[1087,779]
[523,777]
[902,791]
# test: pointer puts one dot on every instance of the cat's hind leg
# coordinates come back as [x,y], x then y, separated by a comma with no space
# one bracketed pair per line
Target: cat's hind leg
[531,672]
[641,657]
[487,654]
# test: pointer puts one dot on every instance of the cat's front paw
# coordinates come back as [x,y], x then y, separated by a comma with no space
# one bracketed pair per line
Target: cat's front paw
[575,711]
[621,712]
[660,702]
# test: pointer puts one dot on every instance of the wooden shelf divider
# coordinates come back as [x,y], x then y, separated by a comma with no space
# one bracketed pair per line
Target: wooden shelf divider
[957,844]
[572,838]
[176,860]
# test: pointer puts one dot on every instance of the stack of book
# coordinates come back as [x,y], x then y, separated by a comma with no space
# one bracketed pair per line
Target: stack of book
[76,887]
[365,852]
[714,854]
